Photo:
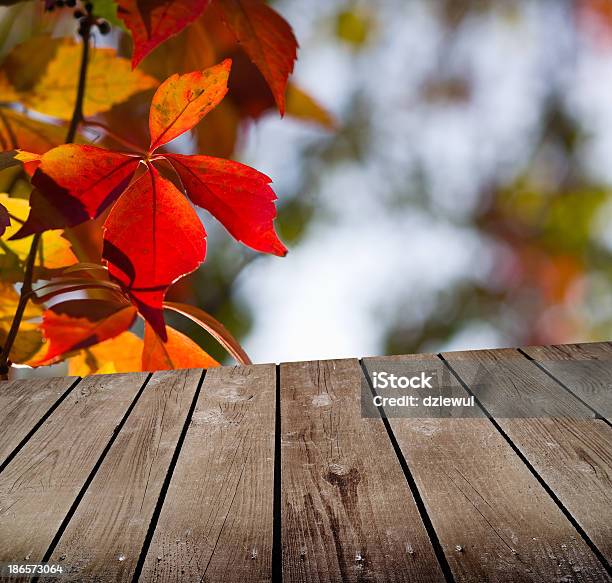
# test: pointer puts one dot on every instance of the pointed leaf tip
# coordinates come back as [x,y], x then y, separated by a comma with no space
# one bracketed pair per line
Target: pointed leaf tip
[181,101]
[153,22]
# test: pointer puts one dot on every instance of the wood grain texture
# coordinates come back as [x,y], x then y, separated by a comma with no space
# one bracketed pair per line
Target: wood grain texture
[216,520]
[347,512]
[494,520]
[23,403]
[585,369]
[569,449]
[38,487]
[103,539]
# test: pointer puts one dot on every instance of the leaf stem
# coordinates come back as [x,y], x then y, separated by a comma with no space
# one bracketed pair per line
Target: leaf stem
[26,288]
[115,137]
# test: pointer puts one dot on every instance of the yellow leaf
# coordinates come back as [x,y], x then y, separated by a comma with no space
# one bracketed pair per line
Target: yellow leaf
[25,65]
[110,80]
[55,251]
[29,339]
[302,106]
[120,354]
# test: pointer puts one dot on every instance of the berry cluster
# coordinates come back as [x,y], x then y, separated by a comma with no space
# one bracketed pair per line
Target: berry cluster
[53,4]
[84,16]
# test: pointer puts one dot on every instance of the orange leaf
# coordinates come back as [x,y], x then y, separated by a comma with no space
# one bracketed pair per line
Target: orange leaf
[268,40]
[181,101]
[19,131]
[153,22]
[120,354]
[178,352]
[236,195]
[76,324]
[152,237]
[74,183]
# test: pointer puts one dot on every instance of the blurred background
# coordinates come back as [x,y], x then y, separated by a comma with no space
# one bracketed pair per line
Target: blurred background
[464,200]
[459,199]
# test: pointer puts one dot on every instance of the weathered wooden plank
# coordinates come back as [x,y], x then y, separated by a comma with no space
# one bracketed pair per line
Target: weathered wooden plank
[494,520]
[40,484]
[569,449]
[216,520]
[23,403]
[104,538]
[347,512]
[585,369]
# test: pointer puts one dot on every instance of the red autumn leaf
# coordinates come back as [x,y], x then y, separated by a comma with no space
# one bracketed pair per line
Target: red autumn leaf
[77,324]
[151,22]
[77,183]
[178,351]
[5,219]
[182,101]
[267,39]
[236,195]
[152,237]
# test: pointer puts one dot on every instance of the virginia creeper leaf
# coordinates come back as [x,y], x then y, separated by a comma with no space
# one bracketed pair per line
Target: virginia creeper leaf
[151,22]
[74,183]
[120,354]
[236,195]
[110,80]
[181,101]
[267,39]
[77,324]
[178,351]
[152,237]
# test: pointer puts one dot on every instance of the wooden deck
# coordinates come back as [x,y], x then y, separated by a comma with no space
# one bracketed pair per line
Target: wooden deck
[271,473]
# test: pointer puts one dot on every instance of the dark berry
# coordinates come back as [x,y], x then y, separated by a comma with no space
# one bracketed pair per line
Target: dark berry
[71,3]
[104,27]
[78,14]
[89,7]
